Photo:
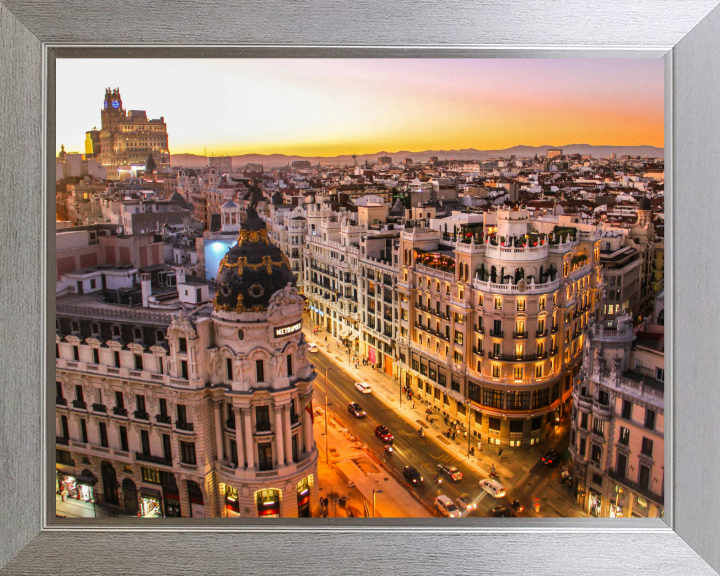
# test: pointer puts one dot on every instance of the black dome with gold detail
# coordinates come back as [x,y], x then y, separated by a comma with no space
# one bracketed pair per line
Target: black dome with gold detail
[252,271]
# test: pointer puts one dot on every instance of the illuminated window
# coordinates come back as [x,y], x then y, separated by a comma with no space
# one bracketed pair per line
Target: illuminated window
[518,372]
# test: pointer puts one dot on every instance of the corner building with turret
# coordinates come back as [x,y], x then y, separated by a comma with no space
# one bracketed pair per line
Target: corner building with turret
[492,322]
[182,410]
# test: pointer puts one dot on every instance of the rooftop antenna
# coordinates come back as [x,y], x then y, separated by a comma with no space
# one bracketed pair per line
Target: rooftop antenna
[354,157]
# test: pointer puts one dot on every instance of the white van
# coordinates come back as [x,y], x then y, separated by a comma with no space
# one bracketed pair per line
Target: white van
[495,489]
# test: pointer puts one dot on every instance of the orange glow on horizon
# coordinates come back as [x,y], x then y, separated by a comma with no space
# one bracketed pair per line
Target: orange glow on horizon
[361,106]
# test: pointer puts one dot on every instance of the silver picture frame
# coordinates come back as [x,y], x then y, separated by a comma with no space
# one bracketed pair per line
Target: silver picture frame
[34,33]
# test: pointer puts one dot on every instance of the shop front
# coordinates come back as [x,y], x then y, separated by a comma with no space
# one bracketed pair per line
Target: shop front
[197,501]
[150,504]
[171,496]
[389,366]
[595,505]
[232,506]
[80,487]
[372,355]
[303,498]
[268,503]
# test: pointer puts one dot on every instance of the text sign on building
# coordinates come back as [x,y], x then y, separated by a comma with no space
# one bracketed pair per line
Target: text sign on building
[287,330]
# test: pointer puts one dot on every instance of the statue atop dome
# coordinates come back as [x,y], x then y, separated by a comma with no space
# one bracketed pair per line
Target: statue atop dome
[255,195]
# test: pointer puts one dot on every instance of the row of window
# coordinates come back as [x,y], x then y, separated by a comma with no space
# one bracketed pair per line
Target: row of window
[187,449]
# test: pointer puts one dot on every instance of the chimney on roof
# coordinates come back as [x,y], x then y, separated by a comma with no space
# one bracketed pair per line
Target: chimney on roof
[146,288]
[179,274]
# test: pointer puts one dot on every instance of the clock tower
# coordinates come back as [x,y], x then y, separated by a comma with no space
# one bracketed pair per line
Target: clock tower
[112,108]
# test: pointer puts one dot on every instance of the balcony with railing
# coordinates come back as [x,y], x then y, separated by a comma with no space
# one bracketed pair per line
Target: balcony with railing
[517,357]
[99,408]
[479,329]
[187,426]
[80,404]
[163,419]
[520,335]
[531,288]
[433,332]
[583,403]
[496,334]
[60,402]
[541,333]
[62,440]
[141,415]
[119,411]
[153,459]
[601,411]
[620,478]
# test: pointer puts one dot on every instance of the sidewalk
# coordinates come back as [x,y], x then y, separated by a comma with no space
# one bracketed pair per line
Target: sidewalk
[513,466]
[354,474]
[73,508]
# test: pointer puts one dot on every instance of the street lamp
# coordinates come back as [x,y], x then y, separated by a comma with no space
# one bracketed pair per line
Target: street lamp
[375,492]
[327,461]
[469,426]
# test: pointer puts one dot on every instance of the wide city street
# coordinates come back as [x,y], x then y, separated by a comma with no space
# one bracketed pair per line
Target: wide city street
[425,453]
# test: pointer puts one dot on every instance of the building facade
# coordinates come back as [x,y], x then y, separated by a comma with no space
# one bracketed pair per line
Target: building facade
[617,438]
[127,138]
[198,412]
[332,262]
[492,323]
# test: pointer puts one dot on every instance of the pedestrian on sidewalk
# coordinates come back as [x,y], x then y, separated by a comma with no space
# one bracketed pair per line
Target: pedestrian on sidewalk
[499,452]
[479,446]
[453,436]
[413,404]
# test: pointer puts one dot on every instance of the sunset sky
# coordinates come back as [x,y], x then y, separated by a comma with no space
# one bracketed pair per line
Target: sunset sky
[323,107]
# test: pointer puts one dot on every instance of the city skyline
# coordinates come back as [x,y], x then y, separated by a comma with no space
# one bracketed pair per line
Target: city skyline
[329,107]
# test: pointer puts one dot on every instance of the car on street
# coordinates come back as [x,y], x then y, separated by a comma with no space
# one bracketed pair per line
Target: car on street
[495,489]
[383,433]
[356,410]
[446,507]
[313,348]
[515,505]
[465,503]
[502,512]
[363,387]
[450,471]
[551,458]
[412,475]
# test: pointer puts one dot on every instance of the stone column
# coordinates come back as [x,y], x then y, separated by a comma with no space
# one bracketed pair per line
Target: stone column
[279,443]
[238,438]
[184,497]
[218,431]
[288,435]
[249,452]
[307,430]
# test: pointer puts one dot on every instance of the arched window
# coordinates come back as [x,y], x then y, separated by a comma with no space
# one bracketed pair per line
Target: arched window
[116,331]
[137,334]
[75,326]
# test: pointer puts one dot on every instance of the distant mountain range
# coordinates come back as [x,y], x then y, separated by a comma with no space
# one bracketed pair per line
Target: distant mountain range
[275,160]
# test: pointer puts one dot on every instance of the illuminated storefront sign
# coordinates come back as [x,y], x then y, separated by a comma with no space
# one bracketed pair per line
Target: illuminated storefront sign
[287,330]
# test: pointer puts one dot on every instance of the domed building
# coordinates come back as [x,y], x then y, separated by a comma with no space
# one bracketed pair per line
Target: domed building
[259,360]
[202,412]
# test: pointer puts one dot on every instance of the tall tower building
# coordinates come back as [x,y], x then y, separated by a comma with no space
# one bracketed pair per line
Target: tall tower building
[127,138]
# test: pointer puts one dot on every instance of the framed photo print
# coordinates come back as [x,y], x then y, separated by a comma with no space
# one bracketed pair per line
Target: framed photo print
[428,280]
